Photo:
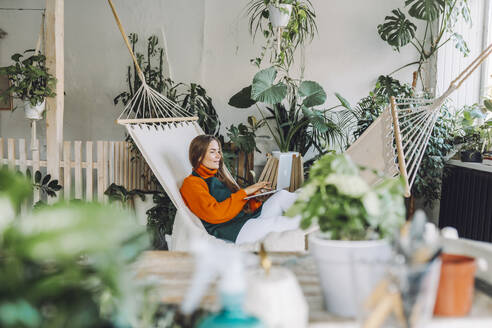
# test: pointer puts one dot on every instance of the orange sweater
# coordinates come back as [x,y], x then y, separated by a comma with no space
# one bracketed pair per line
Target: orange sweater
[197,197]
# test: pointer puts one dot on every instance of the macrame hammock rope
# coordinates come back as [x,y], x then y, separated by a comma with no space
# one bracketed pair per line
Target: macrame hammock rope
[394,143]
[402,132]
[147,105]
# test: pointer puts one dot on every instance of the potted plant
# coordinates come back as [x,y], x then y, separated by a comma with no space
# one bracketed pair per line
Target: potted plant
[285,24]
[294,120]
[279,12]
[30,82]
[475,131]
[354,220]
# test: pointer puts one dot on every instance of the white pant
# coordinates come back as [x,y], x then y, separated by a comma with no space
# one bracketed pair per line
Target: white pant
[270,219]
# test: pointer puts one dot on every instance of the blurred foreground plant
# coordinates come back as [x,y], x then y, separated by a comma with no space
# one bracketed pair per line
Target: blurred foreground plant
[344,206]
[67,265]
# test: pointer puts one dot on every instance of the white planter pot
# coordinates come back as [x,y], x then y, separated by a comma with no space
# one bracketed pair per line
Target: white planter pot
[284,167]
[348,270]
[278,17]
[142,206]
[34,112]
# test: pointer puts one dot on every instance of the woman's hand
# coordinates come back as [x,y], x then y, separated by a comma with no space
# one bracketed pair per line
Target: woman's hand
[257,186]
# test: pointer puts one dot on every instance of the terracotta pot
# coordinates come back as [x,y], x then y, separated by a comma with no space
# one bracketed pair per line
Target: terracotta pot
[455,292]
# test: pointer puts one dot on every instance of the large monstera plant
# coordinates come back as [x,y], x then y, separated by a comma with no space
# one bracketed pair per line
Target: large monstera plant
[398,30]
[293,117]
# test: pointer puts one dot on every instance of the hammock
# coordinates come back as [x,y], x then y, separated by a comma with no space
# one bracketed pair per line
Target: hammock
[395,142]
[163,131]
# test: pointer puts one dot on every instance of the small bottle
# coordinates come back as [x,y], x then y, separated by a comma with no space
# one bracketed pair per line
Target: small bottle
[231,315]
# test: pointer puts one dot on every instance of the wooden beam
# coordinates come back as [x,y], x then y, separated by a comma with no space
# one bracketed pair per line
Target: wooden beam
[54,37]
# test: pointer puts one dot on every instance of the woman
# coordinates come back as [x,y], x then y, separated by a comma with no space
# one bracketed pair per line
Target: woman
[219,202]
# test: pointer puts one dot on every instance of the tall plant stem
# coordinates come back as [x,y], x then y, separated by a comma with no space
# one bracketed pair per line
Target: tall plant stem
[404,66]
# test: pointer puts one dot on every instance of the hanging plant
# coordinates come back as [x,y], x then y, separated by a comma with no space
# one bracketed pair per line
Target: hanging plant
[282,39]
[29,79]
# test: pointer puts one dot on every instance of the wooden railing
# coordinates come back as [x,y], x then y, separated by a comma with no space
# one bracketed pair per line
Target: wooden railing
[86,168]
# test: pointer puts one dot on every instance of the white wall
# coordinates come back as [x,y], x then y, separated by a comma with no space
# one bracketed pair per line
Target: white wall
[208,42]
[450,62]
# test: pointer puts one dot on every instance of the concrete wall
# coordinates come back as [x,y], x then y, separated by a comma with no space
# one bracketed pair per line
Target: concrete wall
[207,42]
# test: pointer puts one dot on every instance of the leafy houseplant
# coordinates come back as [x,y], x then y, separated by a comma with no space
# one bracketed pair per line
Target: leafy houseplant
[294,122]
[475,131]
[345,206]
[30,81]
[369,108]
[353,218]
[45,185]
[428,180]
[160,215]
[243,136]
[68,264]
[440,18]
[301,28]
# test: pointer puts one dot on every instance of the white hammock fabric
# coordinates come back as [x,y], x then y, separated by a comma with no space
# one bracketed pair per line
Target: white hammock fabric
[395,142]
[165,149]
[163,131]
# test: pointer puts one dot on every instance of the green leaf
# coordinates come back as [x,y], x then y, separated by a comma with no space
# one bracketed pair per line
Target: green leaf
[460,44]
[19,313]
[488,104]
[54,184]
[242,99]
[316,118]
[15,186]
[37,177]
[344,102]
[46,179]
[263,88]
[16,57]
[397,30]
[313,93]
[425,9]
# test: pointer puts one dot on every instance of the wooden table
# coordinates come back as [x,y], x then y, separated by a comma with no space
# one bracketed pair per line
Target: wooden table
[172,272]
